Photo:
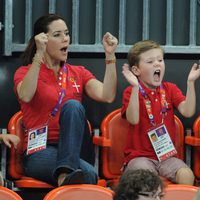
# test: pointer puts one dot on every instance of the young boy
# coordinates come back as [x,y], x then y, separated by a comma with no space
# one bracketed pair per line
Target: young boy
[8,140]
[148,105]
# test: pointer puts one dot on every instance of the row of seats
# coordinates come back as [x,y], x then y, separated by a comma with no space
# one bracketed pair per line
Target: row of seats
[72,192]
[91,192]
[113,131]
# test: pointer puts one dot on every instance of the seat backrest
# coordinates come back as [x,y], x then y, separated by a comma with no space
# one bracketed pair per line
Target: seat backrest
[115,128]
[77,192]
[179,141]
[7,194]
[15,168]
[178,191]
[196,150]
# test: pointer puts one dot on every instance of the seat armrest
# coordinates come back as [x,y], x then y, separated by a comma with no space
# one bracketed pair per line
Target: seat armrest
[101,141]
[192,141]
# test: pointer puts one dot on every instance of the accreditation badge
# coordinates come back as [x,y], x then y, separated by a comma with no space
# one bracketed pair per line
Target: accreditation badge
[37,139]
[161,142]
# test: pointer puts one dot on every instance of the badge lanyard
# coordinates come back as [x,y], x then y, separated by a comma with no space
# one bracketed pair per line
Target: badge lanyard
[61,96]
[147,103]
[39,142]
[62,93]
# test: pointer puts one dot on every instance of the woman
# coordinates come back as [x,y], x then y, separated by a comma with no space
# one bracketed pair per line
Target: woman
[50,92]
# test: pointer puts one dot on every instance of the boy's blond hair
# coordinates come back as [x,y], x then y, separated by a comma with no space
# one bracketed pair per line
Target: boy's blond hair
[140,47]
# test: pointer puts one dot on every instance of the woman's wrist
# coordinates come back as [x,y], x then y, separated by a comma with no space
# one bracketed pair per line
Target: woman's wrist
[110,59]
[37,59]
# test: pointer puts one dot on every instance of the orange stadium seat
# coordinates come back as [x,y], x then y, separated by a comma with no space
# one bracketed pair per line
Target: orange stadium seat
[112,141]
[82,191]
[183,192]
[7,194]
[15,168]
[194,142]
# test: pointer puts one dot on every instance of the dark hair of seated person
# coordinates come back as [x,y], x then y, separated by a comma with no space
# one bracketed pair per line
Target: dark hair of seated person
[136,183]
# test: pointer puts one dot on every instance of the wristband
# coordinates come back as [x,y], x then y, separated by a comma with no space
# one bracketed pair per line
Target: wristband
[110,61]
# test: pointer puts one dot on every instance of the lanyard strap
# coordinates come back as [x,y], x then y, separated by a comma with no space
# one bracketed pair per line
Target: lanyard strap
[163,100]
[147,103]
[62,93]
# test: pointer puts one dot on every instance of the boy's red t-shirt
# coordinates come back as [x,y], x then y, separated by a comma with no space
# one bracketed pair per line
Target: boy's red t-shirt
[138,143]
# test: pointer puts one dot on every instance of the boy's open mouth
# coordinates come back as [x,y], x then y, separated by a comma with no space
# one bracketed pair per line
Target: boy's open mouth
[156,75]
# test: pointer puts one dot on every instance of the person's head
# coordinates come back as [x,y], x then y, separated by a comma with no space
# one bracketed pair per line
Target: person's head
[58,38]
[146,59]
[139,185]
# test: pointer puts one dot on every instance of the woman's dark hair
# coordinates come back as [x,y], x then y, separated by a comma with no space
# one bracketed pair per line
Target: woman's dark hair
[41,25]
[132,182]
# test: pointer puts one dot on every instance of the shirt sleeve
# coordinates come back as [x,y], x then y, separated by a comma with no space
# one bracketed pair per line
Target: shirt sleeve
[19,75]
[87,75]
[125,100]
[176,94]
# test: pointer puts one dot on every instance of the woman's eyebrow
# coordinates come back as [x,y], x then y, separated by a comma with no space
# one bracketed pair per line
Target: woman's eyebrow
[59,31]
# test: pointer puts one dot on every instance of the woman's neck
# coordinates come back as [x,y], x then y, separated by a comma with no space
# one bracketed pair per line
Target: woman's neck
[53,65]
[55,69]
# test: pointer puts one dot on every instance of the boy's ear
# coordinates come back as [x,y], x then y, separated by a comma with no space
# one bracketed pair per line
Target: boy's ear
[135,70]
